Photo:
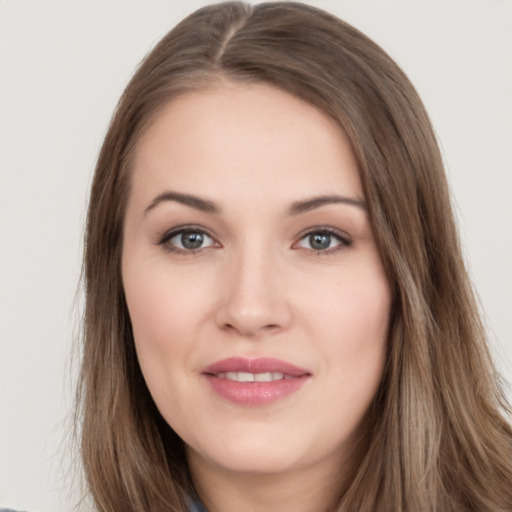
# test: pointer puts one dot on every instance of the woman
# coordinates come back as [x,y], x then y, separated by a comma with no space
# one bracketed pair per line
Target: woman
[278,315]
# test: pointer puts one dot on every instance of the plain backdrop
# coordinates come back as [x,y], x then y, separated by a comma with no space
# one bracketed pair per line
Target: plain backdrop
[63,66]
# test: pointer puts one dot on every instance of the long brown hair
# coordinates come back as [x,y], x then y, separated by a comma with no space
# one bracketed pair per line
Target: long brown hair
[439,438]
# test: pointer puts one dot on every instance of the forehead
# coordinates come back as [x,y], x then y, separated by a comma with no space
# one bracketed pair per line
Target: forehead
[253,139]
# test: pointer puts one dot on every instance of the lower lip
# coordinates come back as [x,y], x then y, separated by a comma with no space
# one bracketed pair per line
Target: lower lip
[253,394]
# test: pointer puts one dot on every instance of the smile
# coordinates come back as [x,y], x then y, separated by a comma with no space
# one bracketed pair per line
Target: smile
[253,377]
[254,382]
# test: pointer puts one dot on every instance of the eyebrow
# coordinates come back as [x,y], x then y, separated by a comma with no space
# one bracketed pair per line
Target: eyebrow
[296,208]
[203,205]
[307,205]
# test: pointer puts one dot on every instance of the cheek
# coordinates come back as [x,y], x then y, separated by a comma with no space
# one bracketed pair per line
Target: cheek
[352,327]
[148,305]
[353,309]
[163,305]
[163,312]
[163,309]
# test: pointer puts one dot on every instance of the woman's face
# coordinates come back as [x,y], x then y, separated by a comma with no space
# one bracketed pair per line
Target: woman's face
[257,296]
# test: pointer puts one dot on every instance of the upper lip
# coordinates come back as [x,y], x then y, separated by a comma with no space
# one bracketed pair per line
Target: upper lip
[258,365]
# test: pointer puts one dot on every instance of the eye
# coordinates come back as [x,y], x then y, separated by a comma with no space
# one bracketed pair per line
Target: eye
[187,240]
[323,240]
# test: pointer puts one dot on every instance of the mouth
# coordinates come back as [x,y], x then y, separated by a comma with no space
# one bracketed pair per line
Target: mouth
[253,377]
[254,382]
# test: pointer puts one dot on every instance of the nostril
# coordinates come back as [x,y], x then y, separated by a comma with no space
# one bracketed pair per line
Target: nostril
[250,331]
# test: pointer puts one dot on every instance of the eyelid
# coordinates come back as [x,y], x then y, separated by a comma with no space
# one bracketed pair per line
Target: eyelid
[177,230]
[344,238]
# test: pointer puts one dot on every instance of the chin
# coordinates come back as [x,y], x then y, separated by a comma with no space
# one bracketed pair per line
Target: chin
[254,461]
[253,451]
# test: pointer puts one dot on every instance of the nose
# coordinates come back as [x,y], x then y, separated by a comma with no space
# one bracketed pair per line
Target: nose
[254,302]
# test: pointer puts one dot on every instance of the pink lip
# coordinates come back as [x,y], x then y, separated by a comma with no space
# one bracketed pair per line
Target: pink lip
[255,393]
[260,365]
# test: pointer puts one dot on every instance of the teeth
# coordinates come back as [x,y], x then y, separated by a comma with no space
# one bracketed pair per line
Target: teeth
[252,377]
[264,377]
[241,376]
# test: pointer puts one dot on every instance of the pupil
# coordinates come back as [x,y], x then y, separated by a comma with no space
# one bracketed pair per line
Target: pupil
[192,240]
[320,241]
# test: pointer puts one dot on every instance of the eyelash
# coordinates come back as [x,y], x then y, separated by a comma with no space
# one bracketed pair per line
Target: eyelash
[343,239]
[181,230]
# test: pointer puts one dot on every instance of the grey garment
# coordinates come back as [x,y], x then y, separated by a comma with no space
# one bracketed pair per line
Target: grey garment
[194,506]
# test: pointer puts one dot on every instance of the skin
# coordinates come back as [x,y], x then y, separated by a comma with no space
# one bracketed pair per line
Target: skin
[256,287]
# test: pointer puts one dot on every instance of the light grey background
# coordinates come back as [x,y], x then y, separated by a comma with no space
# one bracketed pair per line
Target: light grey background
[63,66]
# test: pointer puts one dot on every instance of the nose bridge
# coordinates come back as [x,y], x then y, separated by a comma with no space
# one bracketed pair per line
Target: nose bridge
[254,300]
